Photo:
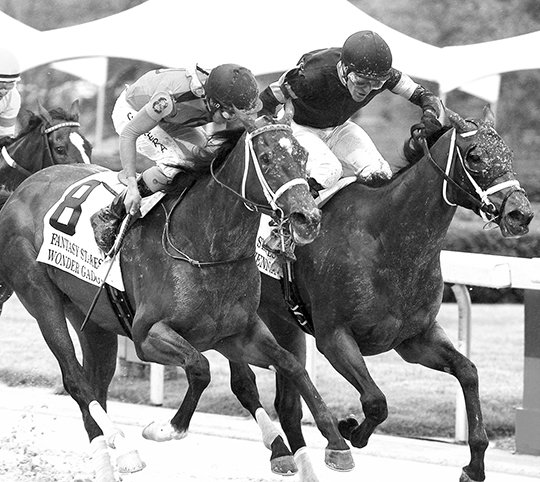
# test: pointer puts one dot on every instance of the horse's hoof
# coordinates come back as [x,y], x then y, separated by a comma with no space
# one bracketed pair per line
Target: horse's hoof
[346,426]
[284,465]
[465,477]
[162,432]
[130,462]
[340,460]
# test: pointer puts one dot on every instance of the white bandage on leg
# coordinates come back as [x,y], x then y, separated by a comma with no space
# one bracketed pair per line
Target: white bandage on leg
[268,429]
[101,460]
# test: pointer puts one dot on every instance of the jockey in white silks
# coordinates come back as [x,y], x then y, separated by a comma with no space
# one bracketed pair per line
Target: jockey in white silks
[329,86]
[10,99]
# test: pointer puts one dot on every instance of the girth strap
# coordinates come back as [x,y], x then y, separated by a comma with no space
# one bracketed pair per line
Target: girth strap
[122,309]
[294,302]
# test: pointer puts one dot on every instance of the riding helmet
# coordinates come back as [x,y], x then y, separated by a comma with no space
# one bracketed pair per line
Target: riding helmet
[232,85]
[367,54]
[10,69]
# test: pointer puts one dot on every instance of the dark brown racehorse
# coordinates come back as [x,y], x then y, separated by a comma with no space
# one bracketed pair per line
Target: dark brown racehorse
[371,281]
[191,277]
[48,138]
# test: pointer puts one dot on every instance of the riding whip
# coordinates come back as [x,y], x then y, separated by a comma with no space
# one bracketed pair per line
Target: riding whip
[112,257]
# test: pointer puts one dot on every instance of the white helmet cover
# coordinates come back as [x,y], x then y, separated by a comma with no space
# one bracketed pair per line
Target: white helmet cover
[10,69]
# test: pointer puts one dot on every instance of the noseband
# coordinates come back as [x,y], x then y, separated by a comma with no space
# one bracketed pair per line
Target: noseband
[488,211]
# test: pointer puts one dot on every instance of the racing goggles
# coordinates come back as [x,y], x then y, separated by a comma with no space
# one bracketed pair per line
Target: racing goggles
[229,113]
[358,81]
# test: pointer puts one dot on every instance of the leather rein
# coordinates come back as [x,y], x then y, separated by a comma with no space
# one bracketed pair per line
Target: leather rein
[250,157]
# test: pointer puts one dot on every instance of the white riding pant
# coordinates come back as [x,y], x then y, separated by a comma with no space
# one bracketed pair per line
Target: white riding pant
[157,144]
[335,152]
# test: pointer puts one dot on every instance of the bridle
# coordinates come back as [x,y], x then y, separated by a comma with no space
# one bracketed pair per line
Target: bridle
[270,195]
[481,197]
[25,172]
[272,209]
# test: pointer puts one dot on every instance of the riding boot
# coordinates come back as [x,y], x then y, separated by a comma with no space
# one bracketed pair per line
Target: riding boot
[106,222]
[314,187]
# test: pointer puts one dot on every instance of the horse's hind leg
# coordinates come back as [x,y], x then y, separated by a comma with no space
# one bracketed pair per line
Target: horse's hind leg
[433,349]
[244,387]
[99,349]
[259,347]
[163,345]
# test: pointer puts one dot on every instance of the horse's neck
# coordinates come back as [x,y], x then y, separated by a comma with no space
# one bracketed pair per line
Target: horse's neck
[213,221]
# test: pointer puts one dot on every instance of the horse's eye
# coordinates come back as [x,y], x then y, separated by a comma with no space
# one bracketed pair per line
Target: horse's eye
[60,150]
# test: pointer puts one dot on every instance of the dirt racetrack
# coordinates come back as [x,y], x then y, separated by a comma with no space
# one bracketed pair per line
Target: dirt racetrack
[42,440]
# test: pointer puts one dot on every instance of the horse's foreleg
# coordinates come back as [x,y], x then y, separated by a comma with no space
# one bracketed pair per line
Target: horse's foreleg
[45,303]
[260,348]
[434,349]
[343,353]
[244,387]
[163,345]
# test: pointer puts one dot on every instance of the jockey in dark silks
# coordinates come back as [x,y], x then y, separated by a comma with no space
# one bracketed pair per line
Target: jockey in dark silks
[161,116]
[329,86]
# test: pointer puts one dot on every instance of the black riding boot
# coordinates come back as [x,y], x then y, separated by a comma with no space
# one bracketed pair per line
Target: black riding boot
[106,222]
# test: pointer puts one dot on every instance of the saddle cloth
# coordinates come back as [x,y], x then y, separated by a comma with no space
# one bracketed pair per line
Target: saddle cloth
[266,260]
[68,237]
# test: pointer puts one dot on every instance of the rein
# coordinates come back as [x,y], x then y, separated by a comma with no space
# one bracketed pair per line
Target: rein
[271,197]
[486,208]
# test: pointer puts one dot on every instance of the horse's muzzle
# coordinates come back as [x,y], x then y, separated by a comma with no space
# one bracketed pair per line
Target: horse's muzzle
[517,216]
[305,226]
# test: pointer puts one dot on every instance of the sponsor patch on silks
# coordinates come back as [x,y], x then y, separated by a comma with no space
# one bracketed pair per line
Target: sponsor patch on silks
[68,237]
[266,261]
[161,104]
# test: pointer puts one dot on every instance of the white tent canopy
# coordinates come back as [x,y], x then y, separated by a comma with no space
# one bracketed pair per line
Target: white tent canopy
[265,37]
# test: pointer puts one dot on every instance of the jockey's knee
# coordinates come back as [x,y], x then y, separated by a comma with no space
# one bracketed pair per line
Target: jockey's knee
[376,169]
[154,180]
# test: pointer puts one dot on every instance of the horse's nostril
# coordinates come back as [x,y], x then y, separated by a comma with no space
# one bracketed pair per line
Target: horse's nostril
[523,218]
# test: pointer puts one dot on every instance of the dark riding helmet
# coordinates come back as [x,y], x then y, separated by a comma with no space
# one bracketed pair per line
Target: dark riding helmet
[368,55]
[232,85]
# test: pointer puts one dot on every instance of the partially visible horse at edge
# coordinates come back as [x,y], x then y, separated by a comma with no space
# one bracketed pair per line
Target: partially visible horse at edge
[191,277]
[371,282]
[48,138]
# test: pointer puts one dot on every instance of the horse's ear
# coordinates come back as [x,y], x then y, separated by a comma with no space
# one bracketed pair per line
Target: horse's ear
[288,112]
[44,113]
[457,121]
[489,116]
[74,110]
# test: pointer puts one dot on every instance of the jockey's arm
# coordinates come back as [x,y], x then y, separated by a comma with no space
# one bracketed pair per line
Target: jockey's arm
[275,95]
[7,127]
[430,104]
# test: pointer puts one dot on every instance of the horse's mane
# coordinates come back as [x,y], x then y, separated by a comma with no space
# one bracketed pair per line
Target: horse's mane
[226,140]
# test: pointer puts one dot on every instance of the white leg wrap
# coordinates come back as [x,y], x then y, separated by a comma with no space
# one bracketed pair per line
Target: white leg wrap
[305,468]
[268,429]
[128,458]
[101,461]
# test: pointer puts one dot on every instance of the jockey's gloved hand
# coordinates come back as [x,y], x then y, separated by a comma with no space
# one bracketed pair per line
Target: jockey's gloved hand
[430,122]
